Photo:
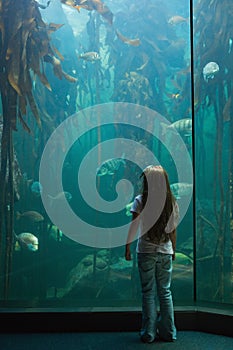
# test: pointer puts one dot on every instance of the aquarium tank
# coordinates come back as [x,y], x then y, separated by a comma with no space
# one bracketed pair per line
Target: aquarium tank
[92,92]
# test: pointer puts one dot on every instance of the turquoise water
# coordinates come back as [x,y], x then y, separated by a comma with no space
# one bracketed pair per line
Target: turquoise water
[137,53]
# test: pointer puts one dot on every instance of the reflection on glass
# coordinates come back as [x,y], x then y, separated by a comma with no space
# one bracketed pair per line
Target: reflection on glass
[71,60]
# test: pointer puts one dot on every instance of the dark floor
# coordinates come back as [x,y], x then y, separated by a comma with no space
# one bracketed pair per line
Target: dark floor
[186,340]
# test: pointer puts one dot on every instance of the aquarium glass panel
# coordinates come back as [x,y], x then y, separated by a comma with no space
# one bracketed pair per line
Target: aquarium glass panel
[213,136]
[93,92]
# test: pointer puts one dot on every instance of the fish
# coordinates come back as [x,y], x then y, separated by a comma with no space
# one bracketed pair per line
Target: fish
[128,208]
[177,20]
[110,166]
[210,70]
[26,240]
[91,5]
[90,56]
[55,233]
[175,96]
[98,6]
[71,3]
[183,259]
[180,189]
[132,42]
[61,196]
[36,188]
[43,7]
[31,215]
[183,126]
[52,27]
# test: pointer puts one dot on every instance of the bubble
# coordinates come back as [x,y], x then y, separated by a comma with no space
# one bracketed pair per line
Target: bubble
[117,152]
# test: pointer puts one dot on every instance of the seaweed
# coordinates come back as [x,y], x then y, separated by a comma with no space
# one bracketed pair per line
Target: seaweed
[24,49]
[213,32]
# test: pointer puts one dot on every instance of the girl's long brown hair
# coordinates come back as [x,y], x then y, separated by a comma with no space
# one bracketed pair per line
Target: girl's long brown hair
[157,175]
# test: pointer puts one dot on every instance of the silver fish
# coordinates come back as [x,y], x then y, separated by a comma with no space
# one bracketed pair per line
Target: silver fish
[183,126]
[110,166]
[27,241]
[180,189]
[210,70]
[90,56]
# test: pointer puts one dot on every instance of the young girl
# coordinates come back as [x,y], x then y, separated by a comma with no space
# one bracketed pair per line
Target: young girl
[156,212]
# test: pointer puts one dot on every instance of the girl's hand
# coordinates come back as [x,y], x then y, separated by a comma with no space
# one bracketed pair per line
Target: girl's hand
[127,252]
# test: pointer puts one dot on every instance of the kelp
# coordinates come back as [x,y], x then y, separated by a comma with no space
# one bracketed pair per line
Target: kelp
[91,5]
[147,52]
[213,43]
[134,88]
[24,49]
[124,39]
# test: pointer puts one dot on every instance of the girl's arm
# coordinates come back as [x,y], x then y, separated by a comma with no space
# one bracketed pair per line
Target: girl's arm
[131,234]
[173,240]
[173,233]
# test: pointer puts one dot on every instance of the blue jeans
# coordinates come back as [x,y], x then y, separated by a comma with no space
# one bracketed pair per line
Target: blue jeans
[155,271]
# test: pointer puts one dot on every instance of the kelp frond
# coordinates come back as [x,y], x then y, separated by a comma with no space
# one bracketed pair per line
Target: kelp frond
[24,45]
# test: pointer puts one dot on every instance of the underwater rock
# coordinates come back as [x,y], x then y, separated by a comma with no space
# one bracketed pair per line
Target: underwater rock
[83,273]
[94,273]
[182,277]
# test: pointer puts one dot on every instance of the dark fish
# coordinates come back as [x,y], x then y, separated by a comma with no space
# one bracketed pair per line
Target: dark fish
[110,166]
[90,56]
[31,215]
[55,233]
